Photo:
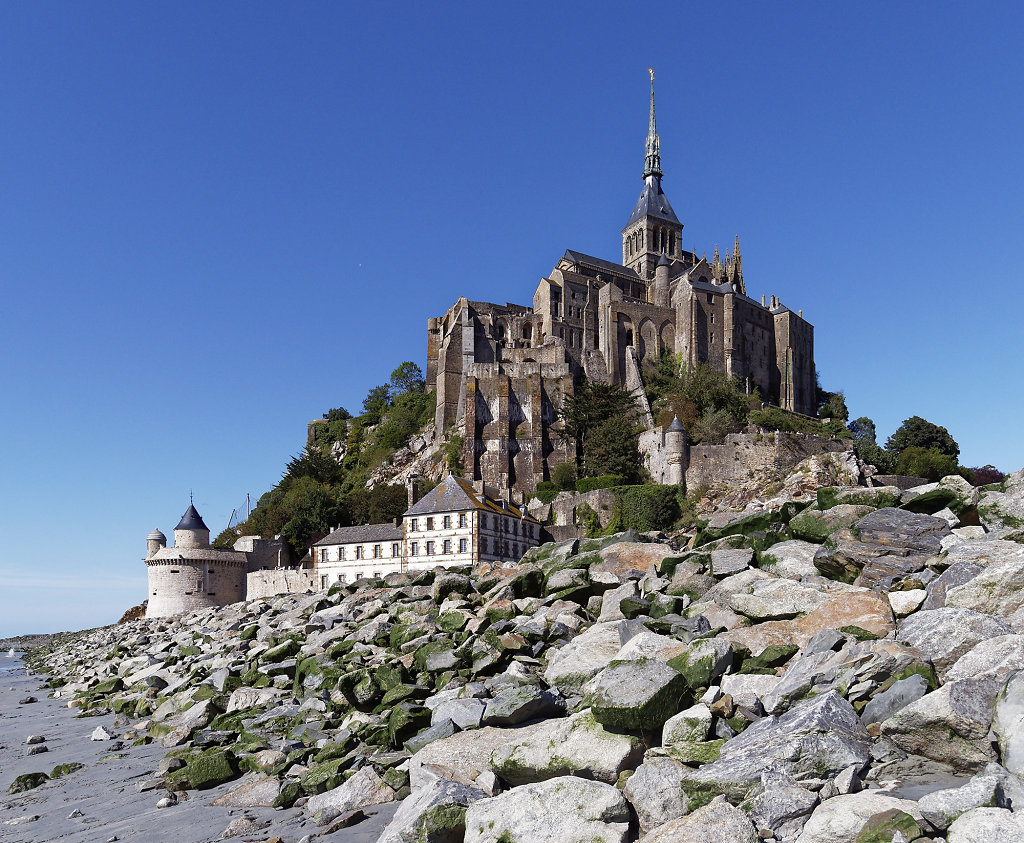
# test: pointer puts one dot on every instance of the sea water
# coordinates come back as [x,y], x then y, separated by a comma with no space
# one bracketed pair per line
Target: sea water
[9,663]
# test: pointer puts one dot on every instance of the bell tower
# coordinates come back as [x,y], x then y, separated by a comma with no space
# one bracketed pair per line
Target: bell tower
[653,229]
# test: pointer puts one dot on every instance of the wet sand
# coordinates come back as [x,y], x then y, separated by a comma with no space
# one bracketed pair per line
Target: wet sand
[105,790]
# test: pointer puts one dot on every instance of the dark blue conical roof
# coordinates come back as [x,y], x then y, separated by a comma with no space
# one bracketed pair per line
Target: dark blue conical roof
[191,520]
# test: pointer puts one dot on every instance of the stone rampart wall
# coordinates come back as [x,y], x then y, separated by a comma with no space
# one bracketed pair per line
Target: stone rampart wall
[279,581]
[744,455]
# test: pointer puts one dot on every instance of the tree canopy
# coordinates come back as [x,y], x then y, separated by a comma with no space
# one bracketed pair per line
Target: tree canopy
[601,419]
[917,432]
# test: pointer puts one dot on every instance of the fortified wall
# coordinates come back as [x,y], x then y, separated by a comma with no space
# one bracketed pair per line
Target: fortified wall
[744,455]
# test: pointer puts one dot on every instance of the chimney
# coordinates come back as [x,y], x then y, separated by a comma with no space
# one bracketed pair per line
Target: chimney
[412,488]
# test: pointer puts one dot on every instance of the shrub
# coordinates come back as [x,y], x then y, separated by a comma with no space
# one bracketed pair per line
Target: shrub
[605,481]
[930,463]
[645,507]
[546,491]
[564,476]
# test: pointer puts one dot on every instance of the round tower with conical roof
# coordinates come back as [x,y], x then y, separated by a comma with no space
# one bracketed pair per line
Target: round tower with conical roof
[191,575]
[191,530]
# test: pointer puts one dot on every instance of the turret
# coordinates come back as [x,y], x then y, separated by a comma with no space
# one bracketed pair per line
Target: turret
[191,531]
[676,453]
[660,297]
[155,541]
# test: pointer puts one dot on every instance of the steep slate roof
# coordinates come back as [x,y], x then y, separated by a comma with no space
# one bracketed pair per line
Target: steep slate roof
[191,520]
[453,494]
[652,203]
[369,533]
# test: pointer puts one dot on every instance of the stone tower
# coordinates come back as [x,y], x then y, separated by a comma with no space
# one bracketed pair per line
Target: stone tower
[653,228]
[191,575]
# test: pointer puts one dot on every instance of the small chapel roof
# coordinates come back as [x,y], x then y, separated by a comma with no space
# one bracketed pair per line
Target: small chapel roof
[191,520]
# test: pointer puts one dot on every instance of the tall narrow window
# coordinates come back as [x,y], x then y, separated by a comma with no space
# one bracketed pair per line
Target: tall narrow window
[462,519]
[462,545]
[447,522]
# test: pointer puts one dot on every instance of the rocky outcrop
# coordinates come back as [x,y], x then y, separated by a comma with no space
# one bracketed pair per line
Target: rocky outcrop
[839,666]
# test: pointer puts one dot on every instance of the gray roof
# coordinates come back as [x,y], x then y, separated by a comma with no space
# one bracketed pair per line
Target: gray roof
[664,260]
[652,203]
[453,494]
[191,520]
[676,425]
[600,263]
[156,536]
[368,533]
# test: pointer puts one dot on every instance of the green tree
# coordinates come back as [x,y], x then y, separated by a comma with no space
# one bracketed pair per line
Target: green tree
[931,463]
[917,432]
[564,476]
[611,448]
[407,378]
[312,510]
[588,408]
[712,427]
[375,403]
[866,447]
[834,407]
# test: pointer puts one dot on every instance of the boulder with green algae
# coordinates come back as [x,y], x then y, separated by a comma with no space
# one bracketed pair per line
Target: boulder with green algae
[27,781]
[883,826]
[876,497]
[639,694]
[573,746]
[325,776]
[62,770]
[432,814]
[204,770]
[704,661]
[815,526]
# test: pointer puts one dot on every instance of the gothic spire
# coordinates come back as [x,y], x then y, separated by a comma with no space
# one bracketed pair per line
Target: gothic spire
[652,157]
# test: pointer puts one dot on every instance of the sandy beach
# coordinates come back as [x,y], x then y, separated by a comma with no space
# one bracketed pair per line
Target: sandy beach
[102,801]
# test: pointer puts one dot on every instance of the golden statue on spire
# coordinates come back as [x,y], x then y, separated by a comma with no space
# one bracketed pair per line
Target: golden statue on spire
[651,71]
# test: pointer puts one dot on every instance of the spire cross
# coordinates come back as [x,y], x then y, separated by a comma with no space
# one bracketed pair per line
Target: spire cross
[652,157]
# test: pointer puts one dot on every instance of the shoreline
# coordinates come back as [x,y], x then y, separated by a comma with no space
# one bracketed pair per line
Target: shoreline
[106,789]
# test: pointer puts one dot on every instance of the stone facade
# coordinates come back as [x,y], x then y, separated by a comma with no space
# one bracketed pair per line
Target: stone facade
[502,371]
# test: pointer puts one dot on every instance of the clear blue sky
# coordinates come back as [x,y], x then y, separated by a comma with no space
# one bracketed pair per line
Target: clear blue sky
[217,221]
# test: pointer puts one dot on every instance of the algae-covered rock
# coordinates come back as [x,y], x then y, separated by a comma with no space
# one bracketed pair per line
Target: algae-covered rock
[813,525]
[27,781]
[640,694]
[575,746]
[433,814]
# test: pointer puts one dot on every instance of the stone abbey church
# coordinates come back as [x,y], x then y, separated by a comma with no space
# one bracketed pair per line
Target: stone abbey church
[502,371]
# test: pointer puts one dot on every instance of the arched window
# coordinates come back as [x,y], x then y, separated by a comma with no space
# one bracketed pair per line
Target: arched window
[500,331]
[527,331]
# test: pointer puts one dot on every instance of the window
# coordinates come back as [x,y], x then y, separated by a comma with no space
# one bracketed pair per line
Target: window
[414,548]
[377,553]
[376,575]
[323,554]
[447,522]
[359,575]
[323,581]
[483,545]
[341,578]
[359,552]
[395,550]
[430,548]
[430,523]
[447,546]
[462,519]
[462,545]
[414,525]
[341,553]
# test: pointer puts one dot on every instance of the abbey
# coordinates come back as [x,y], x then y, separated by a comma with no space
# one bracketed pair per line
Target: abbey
[502,371]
